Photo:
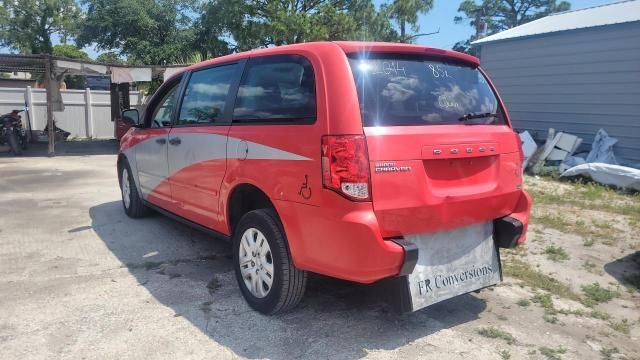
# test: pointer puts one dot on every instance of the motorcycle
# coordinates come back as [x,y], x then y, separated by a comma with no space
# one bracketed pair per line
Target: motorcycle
[12,133]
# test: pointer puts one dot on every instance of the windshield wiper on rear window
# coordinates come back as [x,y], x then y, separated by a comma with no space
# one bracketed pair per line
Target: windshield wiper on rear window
[470,116]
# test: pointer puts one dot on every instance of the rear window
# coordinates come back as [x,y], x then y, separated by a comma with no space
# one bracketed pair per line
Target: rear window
[398,91]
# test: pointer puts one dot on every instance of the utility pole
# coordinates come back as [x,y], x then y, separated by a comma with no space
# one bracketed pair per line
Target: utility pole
[49,85]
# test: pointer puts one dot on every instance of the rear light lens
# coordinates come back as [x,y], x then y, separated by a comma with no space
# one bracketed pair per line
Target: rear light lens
[345,166]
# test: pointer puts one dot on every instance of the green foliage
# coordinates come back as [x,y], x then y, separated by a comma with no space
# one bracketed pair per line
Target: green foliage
[623,326]
[495,333]
[530,277]
[523,302]
[552,354]
[69,51]
[499,15]
[607,353]
[596,294]
[28,25]
[146,31]
[504,354]
[405,12]
[177,31]
[110,58]
[556,253]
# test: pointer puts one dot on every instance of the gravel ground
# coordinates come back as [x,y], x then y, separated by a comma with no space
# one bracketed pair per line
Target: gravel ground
[80,280]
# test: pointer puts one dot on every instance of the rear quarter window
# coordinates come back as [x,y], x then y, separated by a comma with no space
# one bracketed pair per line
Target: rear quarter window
[277,88]
[408,91]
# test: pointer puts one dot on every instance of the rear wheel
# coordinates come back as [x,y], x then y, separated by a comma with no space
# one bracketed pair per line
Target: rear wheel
[265,272]
[131,200]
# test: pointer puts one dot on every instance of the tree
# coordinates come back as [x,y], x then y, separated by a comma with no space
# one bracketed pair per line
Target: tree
[69,51]
[27,26]
[237,25]
[146,31]
[500,15]
[405,12]
[110,57]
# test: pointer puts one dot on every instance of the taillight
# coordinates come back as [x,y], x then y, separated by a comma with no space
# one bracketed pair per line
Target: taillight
[345,166]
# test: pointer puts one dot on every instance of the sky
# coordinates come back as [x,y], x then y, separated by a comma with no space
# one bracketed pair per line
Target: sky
[440,17]
[443,12]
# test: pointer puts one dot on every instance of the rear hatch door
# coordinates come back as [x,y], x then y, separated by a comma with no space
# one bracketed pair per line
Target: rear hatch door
[442,154]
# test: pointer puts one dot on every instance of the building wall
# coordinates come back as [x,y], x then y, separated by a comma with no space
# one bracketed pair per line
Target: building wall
[576,81]
[87,113]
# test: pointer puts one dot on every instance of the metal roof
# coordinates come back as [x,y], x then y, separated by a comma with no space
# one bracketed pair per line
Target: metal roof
[616,13]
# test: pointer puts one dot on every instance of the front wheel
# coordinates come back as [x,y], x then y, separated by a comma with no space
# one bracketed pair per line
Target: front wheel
[267,277]
[131,200]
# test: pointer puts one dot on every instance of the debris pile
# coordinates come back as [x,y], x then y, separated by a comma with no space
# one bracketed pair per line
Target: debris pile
[558,155]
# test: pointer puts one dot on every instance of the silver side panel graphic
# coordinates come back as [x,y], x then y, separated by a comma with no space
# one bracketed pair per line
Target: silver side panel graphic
[153,163]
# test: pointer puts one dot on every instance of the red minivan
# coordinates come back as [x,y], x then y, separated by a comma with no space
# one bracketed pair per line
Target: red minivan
[362,161]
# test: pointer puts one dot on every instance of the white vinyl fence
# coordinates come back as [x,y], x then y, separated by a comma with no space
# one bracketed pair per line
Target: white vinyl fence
[86,115]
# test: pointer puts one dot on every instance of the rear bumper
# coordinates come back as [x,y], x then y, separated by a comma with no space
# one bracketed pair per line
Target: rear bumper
[346,242]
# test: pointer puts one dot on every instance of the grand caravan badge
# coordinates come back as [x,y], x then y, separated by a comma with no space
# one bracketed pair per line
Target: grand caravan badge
[390,166]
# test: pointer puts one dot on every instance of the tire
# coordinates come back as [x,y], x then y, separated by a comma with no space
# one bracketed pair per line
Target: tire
[24,144]
[287,283]
[14,144]
[131,200]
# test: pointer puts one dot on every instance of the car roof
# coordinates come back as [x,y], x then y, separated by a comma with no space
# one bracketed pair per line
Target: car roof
[348,47]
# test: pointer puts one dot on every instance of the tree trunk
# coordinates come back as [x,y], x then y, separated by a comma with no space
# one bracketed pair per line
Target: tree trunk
[402,31]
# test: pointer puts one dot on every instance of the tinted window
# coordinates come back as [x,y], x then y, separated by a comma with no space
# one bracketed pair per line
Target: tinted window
[206,95]
[163,113]
[276,88]
[397,91]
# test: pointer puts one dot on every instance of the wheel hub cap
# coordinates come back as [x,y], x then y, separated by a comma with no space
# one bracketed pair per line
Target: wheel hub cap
[256,262]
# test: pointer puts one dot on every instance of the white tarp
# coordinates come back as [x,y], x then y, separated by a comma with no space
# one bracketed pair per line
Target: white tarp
[128,75]
[620,176]
[79,68]
[602,149]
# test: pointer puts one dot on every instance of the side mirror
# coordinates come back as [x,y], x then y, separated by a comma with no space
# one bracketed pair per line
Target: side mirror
[131,117]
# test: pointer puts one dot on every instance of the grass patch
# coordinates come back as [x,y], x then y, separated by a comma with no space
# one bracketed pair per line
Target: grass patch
[504,354]
[623,326]
[596,294]
[545,302]
[553,221]
[551,319]
[535,279]
[607,353]
[589,195]
[579,227]
[523,302]
[552,354]
[556,253]
[588,242]
[495,333]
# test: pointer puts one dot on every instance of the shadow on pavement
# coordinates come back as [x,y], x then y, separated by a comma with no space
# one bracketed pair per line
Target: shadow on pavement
[68,148]
[192,274]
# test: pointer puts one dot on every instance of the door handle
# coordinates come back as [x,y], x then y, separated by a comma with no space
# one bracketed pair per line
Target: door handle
[175,141]
[161,141]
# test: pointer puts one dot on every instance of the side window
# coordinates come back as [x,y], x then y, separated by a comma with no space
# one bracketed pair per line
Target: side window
[163,113]
[276,88]
[206,94]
